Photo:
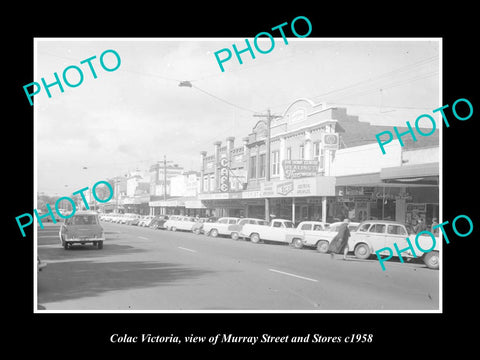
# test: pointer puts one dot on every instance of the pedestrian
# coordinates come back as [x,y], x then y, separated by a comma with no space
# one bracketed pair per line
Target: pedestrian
[339,243]
[420,226]
[432,229]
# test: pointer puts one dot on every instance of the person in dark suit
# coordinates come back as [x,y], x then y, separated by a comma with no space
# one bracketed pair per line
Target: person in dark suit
[339,243]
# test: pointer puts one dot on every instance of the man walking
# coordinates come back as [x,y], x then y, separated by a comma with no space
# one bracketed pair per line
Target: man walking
[339,243]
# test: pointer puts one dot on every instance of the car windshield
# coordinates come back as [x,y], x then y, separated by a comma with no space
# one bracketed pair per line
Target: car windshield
[83,220]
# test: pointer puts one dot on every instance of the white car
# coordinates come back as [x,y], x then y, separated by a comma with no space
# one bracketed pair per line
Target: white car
[184,223]
[146,220]
[374,235]
[319,235]
[221,227]
[236,229]
[279,230]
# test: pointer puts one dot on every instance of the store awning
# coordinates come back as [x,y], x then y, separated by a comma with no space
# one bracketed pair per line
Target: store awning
[372,179]
[194,204]
[425,174]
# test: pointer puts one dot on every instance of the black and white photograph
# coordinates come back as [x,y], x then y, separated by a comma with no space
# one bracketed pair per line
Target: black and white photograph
[179,181]
[229,180]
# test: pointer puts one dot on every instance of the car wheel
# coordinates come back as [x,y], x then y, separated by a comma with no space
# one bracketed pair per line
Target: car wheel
[100,245]
[234,236]
[322,246]
[173,228]
[196,231]
[214,232]
[255,238]
[431,259]
[65,245]
[297,243]
[362,251]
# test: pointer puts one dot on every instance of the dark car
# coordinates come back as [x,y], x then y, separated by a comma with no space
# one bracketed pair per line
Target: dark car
[158,222]
[82,228]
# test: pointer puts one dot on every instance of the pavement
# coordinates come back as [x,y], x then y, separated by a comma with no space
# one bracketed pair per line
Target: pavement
[158,270]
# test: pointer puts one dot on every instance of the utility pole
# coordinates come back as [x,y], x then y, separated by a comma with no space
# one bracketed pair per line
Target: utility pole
[165,179]
[267,122]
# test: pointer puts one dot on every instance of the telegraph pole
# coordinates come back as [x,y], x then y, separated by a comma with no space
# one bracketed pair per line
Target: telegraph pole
[267,122]
[165,179]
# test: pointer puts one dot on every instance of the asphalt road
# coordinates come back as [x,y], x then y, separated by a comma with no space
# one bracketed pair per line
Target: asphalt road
[145,269]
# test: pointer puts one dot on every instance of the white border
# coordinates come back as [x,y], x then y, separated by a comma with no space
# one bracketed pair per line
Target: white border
[35,188]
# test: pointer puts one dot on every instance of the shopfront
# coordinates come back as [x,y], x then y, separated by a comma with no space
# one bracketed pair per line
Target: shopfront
[401,193]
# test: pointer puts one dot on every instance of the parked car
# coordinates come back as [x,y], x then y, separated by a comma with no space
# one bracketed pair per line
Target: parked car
[221,227]
[128,218]
[198,226]
[145,220]
[319,235]
[82,228]
[184,223]
[278,230]
[158,222]
[40,264]
[236,229]
[373,235]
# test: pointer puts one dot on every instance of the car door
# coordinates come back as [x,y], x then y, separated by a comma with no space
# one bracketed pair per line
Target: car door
[222,226]
[376,236]
[308,233]
[276,232]
[396,234]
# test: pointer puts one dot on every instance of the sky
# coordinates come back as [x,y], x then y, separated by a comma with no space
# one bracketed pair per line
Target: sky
[130,118]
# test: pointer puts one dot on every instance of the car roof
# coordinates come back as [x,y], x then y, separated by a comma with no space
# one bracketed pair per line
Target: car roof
[312,222]
[383,221]
[86,212]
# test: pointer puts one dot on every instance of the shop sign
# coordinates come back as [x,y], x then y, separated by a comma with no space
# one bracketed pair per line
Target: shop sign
[292,188]
[300,168]
[354,190]
[330,141]
[224,182]
[285,188]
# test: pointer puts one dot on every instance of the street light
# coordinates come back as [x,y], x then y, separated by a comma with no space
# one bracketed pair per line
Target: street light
[185,83]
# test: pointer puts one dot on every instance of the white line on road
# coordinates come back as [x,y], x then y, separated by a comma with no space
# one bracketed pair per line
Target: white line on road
[297,276]
[144,238]
[187,249]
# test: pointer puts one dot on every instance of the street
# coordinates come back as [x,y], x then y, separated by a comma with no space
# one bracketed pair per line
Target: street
[144,269]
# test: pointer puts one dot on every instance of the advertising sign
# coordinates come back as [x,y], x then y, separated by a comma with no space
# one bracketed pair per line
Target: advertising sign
[330,141]
[224,181]
[300,168]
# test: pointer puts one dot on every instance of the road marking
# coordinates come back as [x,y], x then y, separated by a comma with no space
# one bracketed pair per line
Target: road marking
[187,249]
[297,276]
[144,238]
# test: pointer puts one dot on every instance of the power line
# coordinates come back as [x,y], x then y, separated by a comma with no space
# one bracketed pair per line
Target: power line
[223,100]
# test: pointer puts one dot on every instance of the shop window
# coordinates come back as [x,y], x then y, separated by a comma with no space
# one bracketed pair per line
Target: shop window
[261,165]
[319,154]
[252,169]
[306,227]
[275,163]
[289,153]
[212,183]
[205,183]
[316,151]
